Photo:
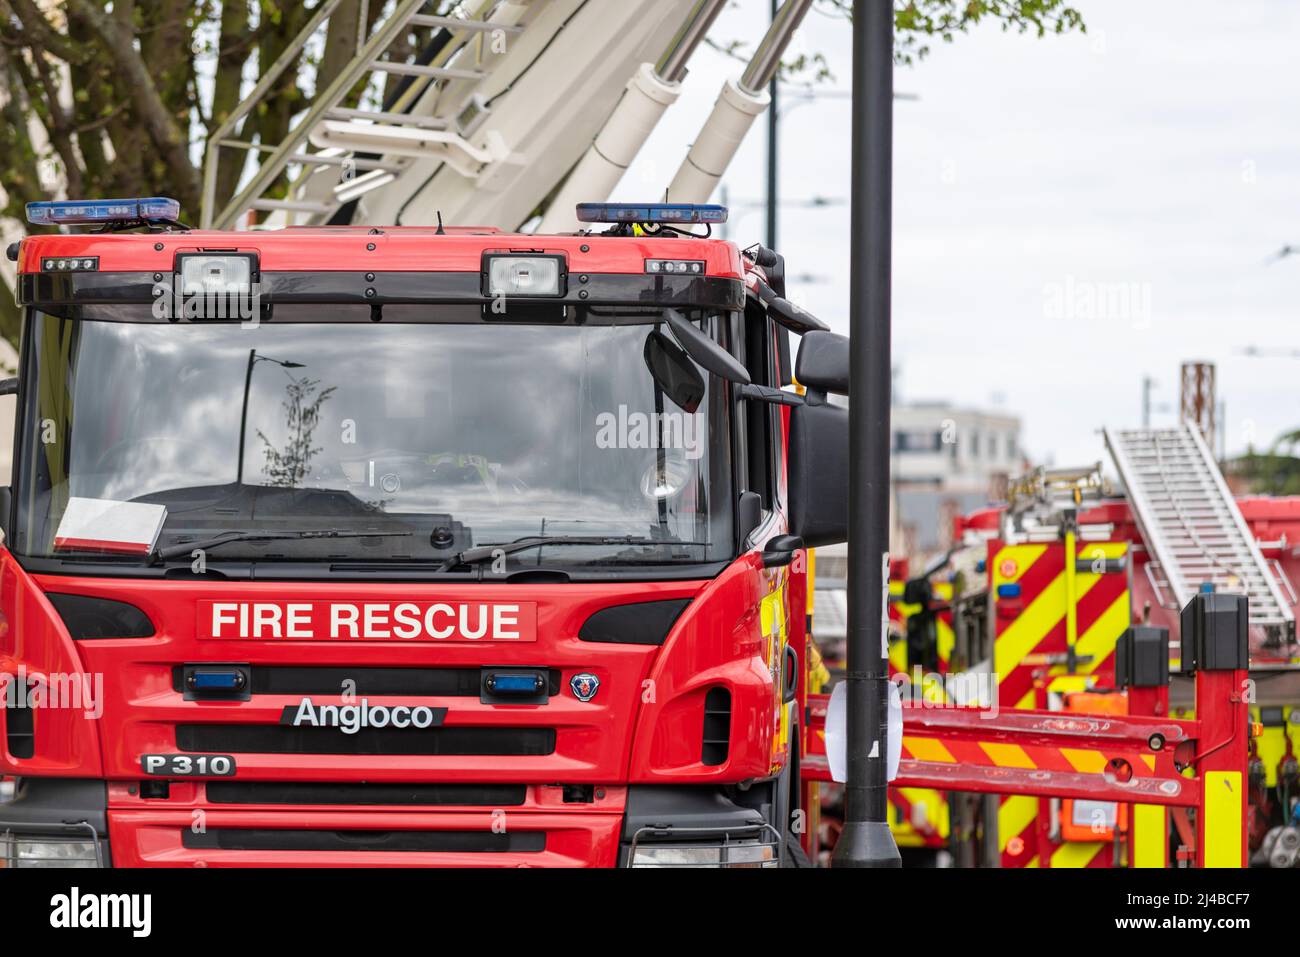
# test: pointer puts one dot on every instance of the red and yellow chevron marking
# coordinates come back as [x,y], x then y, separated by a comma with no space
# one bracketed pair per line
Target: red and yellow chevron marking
[1034,624]
[918,817]
[899,612]
[1032,757]
[1021,838]
[1018,831]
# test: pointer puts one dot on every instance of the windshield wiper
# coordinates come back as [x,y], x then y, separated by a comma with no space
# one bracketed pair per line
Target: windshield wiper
[483,553]
[185,548]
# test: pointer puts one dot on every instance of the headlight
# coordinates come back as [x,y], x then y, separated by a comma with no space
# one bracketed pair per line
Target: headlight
[38,850]
[226,274]
[540,275]
[731,854]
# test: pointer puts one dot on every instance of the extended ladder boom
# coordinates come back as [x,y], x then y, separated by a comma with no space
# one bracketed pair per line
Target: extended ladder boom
[1190,521]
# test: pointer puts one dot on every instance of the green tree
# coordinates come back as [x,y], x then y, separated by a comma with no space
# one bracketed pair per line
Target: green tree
[106,98]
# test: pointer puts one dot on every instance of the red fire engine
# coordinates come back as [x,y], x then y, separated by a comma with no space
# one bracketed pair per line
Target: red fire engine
[355,546]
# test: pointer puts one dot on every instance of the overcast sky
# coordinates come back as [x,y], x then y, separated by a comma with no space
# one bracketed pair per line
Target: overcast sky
[1070,213]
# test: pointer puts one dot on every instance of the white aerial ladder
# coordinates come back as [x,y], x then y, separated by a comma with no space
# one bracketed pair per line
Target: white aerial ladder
[1191,523]
[512,94]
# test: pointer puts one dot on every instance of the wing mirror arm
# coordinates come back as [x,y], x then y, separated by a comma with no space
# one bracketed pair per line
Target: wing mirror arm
[780,551]
[768,394]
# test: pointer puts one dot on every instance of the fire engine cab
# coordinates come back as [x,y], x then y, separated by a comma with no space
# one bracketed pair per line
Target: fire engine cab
[421,546]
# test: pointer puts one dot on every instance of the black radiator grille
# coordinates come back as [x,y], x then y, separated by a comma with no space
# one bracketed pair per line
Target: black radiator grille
[415,795]
[286,839]
[285,739]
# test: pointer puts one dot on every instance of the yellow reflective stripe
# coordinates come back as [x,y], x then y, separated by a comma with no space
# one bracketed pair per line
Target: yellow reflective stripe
[1068,684]
[1022,555]
[1029,627]
[1076,853]
[1089,762]
[1027,701]
[1007,755]
[947,639]
[1223,819]
[898,655]
[1150,835]
[1099,640]
[1016,813]
[929,749]
[1072,592]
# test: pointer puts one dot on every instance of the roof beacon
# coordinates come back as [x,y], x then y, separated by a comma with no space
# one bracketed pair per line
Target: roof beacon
[104,211]
[667,214]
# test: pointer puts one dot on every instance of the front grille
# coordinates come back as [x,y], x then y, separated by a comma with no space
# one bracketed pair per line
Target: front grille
[275,839]
[426,682]
[284,739]
[464,795]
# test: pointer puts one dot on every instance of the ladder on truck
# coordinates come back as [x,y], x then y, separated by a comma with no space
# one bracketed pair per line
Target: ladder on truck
[1191,524]
[380,144]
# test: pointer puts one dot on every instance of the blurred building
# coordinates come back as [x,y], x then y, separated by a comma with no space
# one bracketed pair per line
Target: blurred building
[946,460]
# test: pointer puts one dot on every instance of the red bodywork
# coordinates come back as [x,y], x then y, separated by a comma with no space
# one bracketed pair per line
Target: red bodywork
[644,727]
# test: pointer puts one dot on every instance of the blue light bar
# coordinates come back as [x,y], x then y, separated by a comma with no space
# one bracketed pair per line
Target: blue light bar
[103,210]
[1009,590]
[675,214]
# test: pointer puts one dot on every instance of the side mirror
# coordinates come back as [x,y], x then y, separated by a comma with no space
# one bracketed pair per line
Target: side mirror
[823,362]
[704,350]
[780,550]
[819,471]
[673,371]
[9,386]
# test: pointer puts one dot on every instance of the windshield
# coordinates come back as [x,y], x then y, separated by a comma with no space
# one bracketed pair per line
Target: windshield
[434,436]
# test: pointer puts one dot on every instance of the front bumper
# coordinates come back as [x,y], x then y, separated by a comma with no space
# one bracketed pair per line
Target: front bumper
[553,826]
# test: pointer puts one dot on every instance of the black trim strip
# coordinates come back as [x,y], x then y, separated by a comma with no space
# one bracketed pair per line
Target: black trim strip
[286,739]
[415,682]
[704,292]
[405,795]
[446,842]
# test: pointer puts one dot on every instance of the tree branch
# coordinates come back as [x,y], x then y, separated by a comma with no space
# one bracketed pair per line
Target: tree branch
[166,134]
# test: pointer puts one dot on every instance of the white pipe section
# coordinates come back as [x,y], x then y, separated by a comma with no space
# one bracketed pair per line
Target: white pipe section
[717,143]
[643,103]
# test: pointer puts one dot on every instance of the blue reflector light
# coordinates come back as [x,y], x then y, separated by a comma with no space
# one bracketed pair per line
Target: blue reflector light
[1009,590]
[216,680]
[668,213]
[103,210]
[514,684]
